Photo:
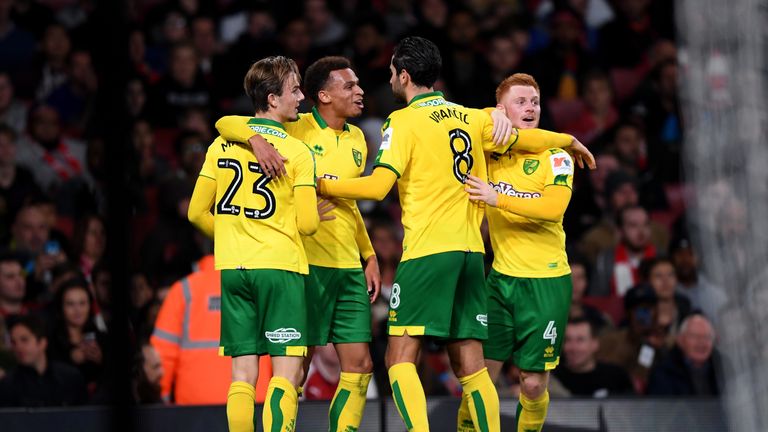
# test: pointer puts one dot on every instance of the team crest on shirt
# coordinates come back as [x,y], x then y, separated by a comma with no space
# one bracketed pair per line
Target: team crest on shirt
[357,155]
[318,149]
[530,166]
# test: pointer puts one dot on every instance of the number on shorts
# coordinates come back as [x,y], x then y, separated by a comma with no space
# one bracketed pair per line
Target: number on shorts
[461,154]
[225,205]
[394,298]
[551,332]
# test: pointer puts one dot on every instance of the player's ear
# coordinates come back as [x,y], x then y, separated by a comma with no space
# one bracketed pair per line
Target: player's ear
[404,77]
[323,96]
[272,100]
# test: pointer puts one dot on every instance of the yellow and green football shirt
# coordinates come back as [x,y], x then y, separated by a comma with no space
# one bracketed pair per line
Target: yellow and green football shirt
[431,145]
[525,247]
[255,215]
[338,155]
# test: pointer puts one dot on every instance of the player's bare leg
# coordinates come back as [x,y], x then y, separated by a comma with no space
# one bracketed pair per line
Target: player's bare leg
[479,408]
[242,396]
[494,368]
[534,401]
[402,352]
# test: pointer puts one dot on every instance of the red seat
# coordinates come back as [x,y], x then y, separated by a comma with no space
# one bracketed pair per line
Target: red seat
[611,305]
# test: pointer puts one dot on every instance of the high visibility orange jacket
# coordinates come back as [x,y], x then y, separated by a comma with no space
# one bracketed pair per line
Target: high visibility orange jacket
[186,336]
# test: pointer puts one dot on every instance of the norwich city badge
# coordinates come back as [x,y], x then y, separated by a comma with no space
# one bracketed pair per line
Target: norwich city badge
[358,156]
[530,166]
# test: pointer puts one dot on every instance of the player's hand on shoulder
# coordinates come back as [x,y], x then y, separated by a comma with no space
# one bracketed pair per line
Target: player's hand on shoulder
[479,190]
[502,125]
[270,160]
[582,154]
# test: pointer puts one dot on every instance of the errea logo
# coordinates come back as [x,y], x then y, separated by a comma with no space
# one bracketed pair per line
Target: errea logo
[482,319]
[282,335]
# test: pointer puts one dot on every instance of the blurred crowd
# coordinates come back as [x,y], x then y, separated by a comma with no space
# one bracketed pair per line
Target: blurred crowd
[643,313]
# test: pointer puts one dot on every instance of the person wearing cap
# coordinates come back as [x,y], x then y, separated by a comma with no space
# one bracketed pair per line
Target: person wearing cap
[692,282]
[635,346]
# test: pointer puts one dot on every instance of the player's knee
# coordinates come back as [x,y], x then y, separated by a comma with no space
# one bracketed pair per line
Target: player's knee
[362,365]
[466,368]
[533,385]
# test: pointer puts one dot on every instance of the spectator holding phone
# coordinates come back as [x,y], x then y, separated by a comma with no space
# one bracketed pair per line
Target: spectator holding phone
[74,338]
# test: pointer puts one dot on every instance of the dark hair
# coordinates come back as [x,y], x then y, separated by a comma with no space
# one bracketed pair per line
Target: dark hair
[11,256]
[620,214]
[69,285]
[318,72]
[7,130]
[267,76]
[33,323]
[420,58]
[583,320]
[81,231]
[647,265]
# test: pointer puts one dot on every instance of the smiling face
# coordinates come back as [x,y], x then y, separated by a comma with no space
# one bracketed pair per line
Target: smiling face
[522,105]
[343,92]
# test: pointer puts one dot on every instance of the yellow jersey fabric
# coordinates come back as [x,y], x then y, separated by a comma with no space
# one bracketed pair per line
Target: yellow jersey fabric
[431,145]
[255,215]
[525,247]
[337,156]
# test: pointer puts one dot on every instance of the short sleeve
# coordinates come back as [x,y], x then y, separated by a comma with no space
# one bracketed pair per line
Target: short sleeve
[559,167]
[304,170]
[395,150]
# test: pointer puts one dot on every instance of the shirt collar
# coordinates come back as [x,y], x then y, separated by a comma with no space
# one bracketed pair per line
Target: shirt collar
[266,122]
[426,95]
[320,122]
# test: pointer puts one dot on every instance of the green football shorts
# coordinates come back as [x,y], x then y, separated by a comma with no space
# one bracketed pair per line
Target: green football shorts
[526,320]
[338,307]
[263,312]
[440,295]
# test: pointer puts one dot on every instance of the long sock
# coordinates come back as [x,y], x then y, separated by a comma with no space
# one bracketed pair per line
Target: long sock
[532,413]
[482,401]
[240,400]
[464,421]
[348,403]
[409,396]
[280,406]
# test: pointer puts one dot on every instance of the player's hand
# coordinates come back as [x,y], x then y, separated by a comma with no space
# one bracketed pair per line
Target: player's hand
[479,190]
[582,154]
[270,160]
[324,206]
[373,277]
[502,126]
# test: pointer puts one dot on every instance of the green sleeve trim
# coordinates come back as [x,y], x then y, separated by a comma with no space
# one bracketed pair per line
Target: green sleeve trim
[203,175]
[388,166]
[555,184]
[517,137]
[307,185]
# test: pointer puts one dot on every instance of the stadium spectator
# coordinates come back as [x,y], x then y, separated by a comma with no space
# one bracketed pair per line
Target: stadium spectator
[625,40]
[50,68]
[13,286]
[136,99]
[503,57]
[464,66]
[13,112]
[580,278]
[38,381]
[326,30]
[692,283]
[581,373]
[149,167]
[616,270]
[17,45]
[672,305]
[590,200]
[73,337]
[89,243]
[74,99]
[147,374]
[636,346]
[690,368]
[137,53]
[16,182]
[207,48]
[52,157]
[598,113]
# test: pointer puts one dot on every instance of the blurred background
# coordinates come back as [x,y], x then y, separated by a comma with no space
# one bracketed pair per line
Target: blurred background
[107,295]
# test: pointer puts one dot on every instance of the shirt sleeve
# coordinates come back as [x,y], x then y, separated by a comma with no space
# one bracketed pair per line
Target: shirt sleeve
[559,169]
[395,151]
[372,187]
[209,165]
[549,207]
[199,211]
[524,140]
[304,173]
[361,236]
[235,128]
[307,218]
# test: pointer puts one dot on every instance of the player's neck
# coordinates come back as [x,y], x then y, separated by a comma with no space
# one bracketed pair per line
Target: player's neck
[270,115]
[413,91]
[333,120]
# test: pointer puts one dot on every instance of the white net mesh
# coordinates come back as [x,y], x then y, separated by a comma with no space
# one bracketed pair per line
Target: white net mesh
[724,83]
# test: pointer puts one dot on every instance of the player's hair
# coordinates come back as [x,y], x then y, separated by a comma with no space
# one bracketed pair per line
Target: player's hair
[267,76]
[583,320]
[8,131]
[316,76]
[520,79]
[420,58]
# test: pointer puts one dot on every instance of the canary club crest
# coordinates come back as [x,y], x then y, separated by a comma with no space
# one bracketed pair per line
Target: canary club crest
[530,166]
[358,156]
